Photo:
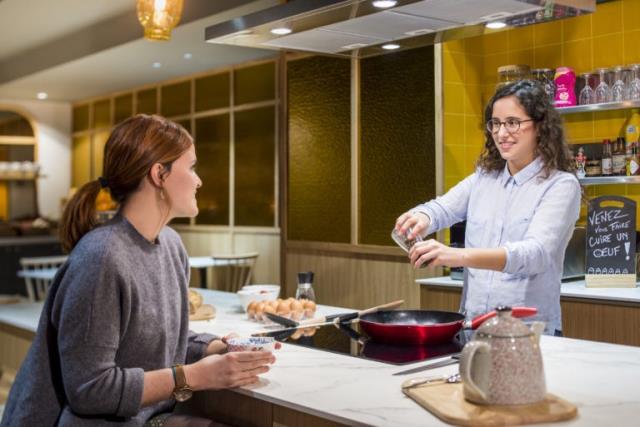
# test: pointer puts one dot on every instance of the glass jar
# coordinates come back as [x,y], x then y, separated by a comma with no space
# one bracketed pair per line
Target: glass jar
[305,286]
[545,77]
[512,73]
[593,168]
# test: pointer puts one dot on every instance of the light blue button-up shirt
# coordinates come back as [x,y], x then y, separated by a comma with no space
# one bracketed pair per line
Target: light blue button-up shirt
[529,216]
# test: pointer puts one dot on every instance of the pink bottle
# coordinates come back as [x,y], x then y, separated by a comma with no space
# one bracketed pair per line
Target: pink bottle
[565,80]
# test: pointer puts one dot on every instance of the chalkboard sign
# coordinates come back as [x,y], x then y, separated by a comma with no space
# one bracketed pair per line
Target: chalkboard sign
[611,241]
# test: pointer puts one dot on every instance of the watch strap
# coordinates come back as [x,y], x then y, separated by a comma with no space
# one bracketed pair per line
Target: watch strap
[179,378]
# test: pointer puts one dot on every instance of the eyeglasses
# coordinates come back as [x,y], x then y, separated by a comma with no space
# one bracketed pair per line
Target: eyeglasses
[512,124]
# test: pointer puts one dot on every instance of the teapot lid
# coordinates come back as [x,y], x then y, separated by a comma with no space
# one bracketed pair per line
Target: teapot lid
[504,325]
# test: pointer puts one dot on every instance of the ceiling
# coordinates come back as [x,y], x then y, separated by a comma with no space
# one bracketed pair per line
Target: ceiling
[77,49]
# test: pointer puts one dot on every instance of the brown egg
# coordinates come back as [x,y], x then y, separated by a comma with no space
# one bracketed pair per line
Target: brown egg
[269,309]
[297,334]
[273,304]
[251,309]
[283,309]
[291,299]
[309,309]
[297,310]
[309,332]
[259,310]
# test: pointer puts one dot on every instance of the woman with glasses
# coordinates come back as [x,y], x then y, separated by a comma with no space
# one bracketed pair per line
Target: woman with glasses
[521,205]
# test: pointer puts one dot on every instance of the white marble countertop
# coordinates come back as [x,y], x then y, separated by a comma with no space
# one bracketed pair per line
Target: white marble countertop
[572,289]
[601,379]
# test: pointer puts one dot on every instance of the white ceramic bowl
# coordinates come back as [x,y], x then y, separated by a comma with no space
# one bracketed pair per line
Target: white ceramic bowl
[248,295]
[252,344]
[262,287]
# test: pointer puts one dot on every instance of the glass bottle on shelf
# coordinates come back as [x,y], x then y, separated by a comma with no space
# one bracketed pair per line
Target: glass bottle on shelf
[633,167]
[587,95]
[619,158]
[634,86]
[305,286]
[607,167]
[603,91]
[619,89]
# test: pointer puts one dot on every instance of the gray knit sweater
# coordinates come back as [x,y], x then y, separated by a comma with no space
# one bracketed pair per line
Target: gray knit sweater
[117,308]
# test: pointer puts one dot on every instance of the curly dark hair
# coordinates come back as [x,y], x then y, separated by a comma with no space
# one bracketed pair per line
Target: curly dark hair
[551,143]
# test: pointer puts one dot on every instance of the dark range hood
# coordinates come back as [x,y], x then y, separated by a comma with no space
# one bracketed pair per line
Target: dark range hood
[357,28]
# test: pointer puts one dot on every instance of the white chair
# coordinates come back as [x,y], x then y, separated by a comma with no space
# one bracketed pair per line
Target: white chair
[232,272]
[38,273]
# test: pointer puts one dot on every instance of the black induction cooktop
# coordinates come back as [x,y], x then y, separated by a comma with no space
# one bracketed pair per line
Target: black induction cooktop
[346,339]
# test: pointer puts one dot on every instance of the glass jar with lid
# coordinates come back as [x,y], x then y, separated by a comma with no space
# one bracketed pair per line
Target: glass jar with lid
[512,73]
[545,77]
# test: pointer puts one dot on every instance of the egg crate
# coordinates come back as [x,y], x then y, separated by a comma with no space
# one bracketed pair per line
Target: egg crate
[290,308]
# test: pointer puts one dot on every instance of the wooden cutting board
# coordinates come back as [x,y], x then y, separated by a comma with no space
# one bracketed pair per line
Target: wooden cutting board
[447,402]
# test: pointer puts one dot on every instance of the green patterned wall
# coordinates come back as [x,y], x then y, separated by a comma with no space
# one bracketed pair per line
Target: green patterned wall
[319,199]
[397,149]
[212,149]
[255,167]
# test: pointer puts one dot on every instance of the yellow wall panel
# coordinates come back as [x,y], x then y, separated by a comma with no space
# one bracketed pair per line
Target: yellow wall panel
[579,54]
[453,65]
[494,42]
[547,33]
[454,160]
[520,38]
[474,45]
[456,46]
[453,98]
[491,64]
[472,98]
[579,126]
[631,51]
[608,124]
[521,56]
[607,50]
[608,18]
[630,14]
[453,132]
[576,28]
[473,69]
[549,56]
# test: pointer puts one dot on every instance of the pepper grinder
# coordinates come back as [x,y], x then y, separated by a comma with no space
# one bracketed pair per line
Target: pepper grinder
[305,286]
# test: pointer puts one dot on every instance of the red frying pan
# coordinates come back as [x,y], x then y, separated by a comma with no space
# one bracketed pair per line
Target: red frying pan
[424,326]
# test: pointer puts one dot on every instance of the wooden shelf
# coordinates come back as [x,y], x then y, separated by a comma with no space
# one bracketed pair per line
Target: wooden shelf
[605,106]
[599,180]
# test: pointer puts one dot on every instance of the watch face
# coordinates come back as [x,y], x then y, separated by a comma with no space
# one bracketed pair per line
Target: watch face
[183,394]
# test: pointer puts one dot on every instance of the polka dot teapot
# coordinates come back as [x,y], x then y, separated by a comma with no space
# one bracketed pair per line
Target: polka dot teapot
[502,364]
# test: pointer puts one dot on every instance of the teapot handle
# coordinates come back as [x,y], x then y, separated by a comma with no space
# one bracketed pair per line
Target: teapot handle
[471,389]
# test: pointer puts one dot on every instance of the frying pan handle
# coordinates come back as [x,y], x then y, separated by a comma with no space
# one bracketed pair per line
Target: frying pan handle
[515,312]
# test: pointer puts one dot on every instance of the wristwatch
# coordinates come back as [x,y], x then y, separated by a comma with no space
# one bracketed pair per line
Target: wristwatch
[181,391]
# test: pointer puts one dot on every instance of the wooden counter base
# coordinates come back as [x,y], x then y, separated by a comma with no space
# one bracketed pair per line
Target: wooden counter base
[236,409]
[588,319]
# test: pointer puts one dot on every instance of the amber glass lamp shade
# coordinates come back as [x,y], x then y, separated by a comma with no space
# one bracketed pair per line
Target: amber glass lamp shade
[158,17]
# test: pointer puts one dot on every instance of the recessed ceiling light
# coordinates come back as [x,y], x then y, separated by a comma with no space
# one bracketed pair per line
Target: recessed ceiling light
[187,56]
[42,95]
[281,31]
[156,65]
[391,46]
[384,4]
[496,25]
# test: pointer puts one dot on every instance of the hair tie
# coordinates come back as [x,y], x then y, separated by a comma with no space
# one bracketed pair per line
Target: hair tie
[104,183]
